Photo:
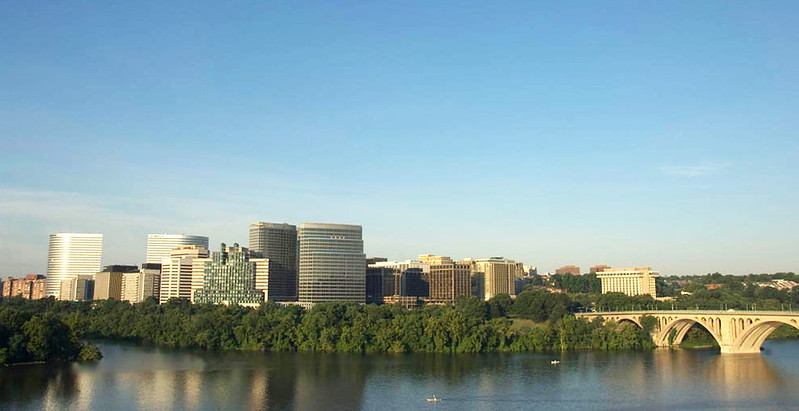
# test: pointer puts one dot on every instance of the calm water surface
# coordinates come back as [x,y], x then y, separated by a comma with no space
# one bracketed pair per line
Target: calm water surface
[132,377]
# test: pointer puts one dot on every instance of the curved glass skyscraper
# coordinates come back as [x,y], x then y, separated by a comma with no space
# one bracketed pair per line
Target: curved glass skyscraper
[332,263]
[71,255]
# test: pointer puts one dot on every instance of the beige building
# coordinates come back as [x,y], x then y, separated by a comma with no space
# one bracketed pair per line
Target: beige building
[630,281]
[108,283]
[499,275]
[431,259]
[130,287]
[78,289]
[149,281]
[179,273]
[448,281]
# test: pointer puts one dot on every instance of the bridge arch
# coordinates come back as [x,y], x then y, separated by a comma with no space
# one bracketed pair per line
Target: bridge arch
[681,325]
[621,319]
[750,340]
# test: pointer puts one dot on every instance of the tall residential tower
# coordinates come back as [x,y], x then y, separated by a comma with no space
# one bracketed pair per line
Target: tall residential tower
[332,263]
[71,255]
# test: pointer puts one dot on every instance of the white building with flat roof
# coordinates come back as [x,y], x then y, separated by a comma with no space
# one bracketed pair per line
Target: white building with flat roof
[629,280]
[332,263]
[160,246]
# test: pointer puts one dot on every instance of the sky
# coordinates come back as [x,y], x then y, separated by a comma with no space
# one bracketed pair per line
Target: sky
[624,133]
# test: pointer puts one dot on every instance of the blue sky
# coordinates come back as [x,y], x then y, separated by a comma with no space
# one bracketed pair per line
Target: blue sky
[620,133]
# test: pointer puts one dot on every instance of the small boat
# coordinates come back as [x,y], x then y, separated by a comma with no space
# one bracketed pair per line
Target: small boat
[434,399]
[554,362]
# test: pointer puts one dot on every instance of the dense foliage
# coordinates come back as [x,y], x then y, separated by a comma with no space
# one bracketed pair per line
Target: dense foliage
[36,335]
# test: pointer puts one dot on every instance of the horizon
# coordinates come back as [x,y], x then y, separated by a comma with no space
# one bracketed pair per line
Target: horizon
[660,135]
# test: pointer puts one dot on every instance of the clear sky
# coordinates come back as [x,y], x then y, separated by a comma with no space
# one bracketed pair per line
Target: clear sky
[554,133]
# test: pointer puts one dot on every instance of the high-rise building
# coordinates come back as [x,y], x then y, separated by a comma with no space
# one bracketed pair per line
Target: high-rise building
[71,255]
[630,281]
[177,272]
[448,281]
[278,243]
[108,283]
[332,263]
[568,269]
[32,287]
[231,278]
[160,246]
[375,277]
[393,278]
[130,287]
[78,289]
[499,275]
[149,281]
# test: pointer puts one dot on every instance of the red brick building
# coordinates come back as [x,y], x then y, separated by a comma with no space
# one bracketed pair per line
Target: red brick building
[30,288]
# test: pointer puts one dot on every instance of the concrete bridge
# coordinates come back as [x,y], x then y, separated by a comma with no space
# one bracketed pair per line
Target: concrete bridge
[736,332]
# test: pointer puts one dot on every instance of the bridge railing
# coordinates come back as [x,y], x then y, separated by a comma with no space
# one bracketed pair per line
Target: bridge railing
[715,312]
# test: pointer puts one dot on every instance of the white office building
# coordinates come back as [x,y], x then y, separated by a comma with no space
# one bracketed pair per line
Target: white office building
[71,255]
[181,271]
[160,246]
[332,263]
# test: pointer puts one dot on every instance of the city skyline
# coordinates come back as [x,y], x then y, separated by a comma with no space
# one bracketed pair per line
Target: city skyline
[615,138]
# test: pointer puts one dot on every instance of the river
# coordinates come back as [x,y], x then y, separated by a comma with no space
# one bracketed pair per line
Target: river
[134,377]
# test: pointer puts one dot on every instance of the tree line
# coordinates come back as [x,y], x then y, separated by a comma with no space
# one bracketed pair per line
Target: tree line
[468,326]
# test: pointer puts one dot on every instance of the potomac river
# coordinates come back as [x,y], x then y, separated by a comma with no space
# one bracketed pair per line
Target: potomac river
[132,377]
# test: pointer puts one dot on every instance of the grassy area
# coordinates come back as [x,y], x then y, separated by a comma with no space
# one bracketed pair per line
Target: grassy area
[518,324]
[698,344]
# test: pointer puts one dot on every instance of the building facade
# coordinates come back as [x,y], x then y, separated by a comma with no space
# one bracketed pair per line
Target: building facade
[448,281]
[149,281]
[130,287]
[71,255]
[278,243]
[32,287]
[332,263]
[108,283]
[230,278]
[178,272]
[432,259]
[568,269]
[630,281]
[499,275]
[160,246]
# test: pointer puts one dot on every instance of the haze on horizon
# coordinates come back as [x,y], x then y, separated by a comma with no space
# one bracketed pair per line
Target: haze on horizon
[619,133]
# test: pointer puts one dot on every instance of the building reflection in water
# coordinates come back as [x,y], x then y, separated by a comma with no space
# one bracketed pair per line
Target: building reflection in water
[149,378]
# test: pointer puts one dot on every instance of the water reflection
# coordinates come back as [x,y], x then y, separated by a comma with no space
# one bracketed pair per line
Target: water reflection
[149,378]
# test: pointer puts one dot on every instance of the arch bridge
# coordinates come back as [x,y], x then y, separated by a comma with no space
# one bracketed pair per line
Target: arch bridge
[736,332]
